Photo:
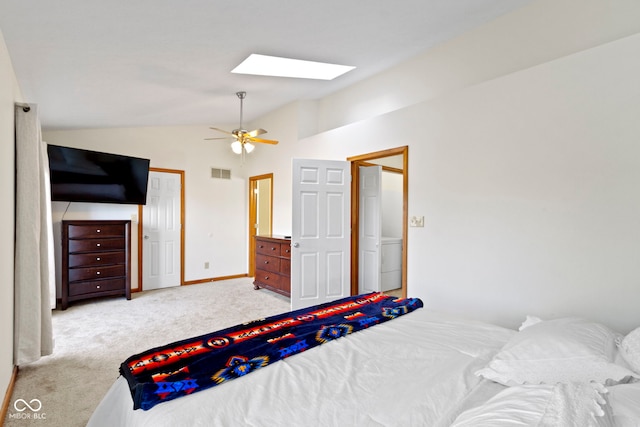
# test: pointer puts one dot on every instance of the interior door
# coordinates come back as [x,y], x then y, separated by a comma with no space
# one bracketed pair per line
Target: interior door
[320,232]
[370,229]
[161,232]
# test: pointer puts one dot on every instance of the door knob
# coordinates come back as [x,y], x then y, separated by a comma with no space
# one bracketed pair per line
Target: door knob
[295,245]
[146,237]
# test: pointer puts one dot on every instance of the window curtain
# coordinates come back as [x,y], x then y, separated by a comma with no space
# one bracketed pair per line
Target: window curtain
[34,284]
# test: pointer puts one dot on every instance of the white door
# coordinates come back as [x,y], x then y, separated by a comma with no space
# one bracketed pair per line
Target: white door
[161,232]
[320,232]
[369,234]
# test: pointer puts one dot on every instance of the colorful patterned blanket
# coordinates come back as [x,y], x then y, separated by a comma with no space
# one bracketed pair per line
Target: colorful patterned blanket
[184,367]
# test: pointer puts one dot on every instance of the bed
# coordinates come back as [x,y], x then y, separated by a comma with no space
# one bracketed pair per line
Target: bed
[423,368]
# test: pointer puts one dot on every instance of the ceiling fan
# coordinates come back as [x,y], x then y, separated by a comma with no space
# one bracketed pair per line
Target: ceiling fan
[244,139]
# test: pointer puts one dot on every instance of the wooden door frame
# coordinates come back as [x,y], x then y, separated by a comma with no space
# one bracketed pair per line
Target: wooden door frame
[253,185]
[182,228]
[364,160]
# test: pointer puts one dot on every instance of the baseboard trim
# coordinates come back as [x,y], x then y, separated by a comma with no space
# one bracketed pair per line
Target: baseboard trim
[214,279]
[7,396]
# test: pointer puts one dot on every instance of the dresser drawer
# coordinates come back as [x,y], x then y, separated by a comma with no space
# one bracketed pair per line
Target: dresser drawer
[96,259]
[92,245]
[268,263]
[91,231]
[273,264]
[285,250]
[90,273]
[268,278]
[285,266]
[268,248]
[93,286]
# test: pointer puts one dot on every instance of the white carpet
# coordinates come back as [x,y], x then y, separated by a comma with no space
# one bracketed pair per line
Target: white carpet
[93,337]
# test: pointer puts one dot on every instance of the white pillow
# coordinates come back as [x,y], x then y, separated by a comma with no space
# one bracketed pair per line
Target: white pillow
[562,350]
[630,349]
[625,404]
[530,320]
[541,405]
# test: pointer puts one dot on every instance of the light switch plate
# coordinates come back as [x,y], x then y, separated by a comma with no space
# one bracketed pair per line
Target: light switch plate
[416,221]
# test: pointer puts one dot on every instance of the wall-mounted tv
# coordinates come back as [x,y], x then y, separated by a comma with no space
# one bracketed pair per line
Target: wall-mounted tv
[91,176]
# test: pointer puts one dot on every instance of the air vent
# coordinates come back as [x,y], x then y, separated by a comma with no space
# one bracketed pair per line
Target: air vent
[220,173]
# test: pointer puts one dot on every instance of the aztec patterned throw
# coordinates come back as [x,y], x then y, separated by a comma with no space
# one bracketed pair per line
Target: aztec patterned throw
[184,367]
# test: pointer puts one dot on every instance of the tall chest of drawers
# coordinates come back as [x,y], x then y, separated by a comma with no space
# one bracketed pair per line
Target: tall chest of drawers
[273,264]
[96,259]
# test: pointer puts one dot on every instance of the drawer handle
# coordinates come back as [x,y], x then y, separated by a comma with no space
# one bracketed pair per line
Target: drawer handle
[287,250]
[98,230]
[266,262]
[97,272]
[273,249]
[98,287]
[98,259]
[98,244]
[261,246]
[266,277]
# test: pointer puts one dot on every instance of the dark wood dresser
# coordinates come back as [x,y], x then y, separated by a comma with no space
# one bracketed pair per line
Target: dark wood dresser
[273,264]
[96,259]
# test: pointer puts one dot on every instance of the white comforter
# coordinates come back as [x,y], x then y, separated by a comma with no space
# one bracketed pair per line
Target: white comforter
[413,371]
[541,405]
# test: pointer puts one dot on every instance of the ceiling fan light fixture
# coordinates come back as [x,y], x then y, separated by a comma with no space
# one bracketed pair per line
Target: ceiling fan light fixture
[243,143]
[264,65]
[236,147]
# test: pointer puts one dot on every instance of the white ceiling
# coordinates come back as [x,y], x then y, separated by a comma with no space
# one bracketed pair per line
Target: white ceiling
[120,63]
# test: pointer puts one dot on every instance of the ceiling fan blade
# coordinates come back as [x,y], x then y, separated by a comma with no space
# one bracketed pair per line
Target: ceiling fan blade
[264,141]
[220,130]
[256,132]
[241,135]
[222,137]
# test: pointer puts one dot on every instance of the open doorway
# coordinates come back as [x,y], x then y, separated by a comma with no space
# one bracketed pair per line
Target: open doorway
[260,213]
[395,163]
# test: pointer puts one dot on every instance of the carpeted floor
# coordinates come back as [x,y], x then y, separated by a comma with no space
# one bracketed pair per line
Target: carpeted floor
[92,338]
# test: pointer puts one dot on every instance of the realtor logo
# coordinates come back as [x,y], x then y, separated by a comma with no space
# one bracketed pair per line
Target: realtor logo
[28,410]
[21,405]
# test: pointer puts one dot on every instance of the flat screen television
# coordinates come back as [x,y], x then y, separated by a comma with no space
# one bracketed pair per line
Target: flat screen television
[79,175]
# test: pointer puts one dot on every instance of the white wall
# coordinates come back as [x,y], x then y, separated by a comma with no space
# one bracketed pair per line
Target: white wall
[529,192]
[263,207]
[215,209]
[524,163]
[541,31]
[391,204]
[9,92]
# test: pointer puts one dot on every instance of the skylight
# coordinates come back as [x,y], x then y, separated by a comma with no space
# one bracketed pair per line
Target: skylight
[263,65]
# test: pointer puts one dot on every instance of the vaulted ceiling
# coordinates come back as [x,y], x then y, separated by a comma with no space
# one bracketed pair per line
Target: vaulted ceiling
[120,63]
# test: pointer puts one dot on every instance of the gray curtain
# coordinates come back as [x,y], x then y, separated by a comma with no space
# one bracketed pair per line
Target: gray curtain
[34,259]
